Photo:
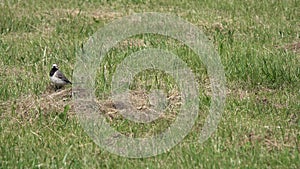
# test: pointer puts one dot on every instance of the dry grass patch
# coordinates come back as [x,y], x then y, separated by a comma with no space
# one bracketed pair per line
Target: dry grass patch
[291,47]
[30,107]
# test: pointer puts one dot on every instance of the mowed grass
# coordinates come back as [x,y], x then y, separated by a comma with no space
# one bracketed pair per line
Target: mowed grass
[260,127]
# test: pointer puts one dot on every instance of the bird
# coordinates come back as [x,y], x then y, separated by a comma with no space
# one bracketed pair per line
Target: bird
[58,78]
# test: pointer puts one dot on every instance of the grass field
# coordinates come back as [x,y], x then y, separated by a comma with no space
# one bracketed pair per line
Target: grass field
[259,45]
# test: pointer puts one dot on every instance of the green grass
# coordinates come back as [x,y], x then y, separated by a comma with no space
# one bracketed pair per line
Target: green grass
[260,127]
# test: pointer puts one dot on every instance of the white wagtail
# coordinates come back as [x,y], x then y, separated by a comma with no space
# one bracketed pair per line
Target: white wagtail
[58,78]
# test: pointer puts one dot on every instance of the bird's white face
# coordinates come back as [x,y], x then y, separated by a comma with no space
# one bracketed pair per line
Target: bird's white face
[55,65]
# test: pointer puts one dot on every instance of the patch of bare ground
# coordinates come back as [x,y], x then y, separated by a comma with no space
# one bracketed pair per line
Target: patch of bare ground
[268,139]
[96,14]
[30,107]
[292,47]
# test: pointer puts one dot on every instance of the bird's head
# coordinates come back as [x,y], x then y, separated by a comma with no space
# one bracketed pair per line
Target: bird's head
[55,66]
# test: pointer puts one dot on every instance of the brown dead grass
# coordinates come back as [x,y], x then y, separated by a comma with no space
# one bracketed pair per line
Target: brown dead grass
[96,14]
[30,107]
[269,141]
[292,47]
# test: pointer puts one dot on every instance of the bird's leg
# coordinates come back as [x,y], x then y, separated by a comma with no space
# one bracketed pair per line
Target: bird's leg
[57,88]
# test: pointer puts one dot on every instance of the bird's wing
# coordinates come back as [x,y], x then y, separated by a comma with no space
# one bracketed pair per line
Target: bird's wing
[62,77]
